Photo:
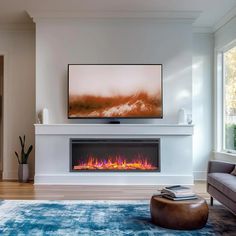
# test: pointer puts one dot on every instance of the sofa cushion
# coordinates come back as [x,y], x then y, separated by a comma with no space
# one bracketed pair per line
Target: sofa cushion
[225,183]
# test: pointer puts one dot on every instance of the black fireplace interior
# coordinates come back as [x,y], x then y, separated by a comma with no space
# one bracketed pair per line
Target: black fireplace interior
[115,155]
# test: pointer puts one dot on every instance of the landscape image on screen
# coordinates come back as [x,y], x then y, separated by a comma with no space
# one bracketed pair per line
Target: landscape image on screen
[104,91]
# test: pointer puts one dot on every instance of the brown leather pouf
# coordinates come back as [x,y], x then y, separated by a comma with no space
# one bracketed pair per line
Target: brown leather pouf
[183,215]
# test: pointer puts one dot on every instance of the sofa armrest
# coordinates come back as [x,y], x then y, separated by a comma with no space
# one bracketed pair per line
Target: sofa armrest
[220,167]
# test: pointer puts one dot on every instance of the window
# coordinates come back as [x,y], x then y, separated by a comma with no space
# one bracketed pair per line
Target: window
[229,100]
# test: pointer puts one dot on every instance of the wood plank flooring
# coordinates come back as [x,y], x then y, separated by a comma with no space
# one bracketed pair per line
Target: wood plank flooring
[27,191]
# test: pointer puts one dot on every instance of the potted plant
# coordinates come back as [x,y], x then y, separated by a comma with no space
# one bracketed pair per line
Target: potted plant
[23,169]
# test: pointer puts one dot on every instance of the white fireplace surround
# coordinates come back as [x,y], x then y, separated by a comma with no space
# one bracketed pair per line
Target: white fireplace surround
[52,161]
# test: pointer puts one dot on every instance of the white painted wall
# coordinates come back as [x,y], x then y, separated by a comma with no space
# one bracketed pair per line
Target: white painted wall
[60,42]
[203,52]
[18,47]
[104,41]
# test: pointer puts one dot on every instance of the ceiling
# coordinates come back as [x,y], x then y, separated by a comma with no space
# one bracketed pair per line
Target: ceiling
[211,11]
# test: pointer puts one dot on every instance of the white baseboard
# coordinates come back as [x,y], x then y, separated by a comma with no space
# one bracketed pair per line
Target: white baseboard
[200,175]
[9,175]
[103,180]
[13,175]
[76,179]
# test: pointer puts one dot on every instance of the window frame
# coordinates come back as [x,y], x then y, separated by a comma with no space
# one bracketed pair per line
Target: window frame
[220,99]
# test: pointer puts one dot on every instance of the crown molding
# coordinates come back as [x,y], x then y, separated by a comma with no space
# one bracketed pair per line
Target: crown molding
[17,27]
[226,18]
[203,29]
[187,16]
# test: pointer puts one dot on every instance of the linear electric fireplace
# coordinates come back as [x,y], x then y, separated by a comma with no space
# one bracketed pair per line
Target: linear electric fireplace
[114,155]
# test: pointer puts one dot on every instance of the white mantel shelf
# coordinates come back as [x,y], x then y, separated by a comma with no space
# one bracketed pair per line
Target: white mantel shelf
[114,129]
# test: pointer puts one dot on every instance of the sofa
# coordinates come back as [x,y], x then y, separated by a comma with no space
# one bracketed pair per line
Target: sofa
[221,184]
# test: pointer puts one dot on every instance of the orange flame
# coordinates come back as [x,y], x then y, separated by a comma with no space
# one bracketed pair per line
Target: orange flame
[117,163]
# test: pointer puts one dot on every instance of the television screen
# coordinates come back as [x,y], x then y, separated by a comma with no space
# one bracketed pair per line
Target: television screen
[115,91]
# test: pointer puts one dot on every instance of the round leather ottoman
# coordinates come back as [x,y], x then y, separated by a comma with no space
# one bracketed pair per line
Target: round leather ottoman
[183,215]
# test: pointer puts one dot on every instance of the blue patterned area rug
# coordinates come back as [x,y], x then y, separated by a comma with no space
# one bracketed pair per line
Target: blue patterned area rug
[70,218]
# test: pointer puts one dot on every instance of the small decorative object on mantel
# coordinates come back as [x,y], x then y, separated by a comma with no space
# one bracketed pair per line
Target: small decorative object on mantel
[23,169]
[45,116]
[182,116]
[189,119]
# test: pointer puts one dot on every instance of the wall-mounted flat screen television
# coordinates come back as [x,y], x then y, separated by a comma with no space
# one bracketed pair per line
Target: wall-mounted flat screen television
[115,91]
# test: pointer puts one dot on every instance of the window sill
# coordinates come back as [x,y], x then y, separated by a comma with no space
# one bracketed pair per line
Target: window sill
[225,156]
[226,153]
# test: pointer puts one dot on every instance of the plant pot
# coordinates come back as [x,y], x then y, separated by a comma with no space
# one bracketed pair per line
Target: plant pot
[23,173]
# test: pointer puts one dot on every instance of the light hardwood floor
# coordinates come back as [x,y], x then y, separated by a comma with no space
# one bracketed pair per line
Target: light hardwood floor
[27,191]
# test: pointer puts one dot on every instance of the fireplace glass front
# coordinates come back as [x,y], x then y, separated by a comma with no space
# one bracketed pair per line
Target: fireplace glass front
[115,155]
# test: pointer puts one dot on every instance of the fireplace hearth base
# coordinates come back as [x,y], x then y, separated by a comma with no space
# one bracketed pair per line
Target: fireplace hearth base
[52,154]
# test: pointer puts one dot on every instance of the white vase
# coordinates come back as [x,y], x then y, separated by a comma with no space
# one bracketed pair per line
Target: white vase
[182,116]
[45,116]
[23,173]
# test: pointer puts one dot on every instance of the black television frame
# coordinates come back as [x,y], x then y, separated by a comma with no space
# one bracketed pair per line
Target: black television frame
[114,118]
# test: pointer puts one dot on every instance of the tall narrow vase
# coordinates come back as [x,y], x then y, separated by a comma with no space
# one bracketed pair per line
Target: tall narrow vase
[23,173]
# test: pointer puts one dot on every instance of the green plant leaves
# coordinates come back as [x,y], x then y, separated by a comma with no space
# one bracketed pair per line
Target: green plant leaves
[23,159]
